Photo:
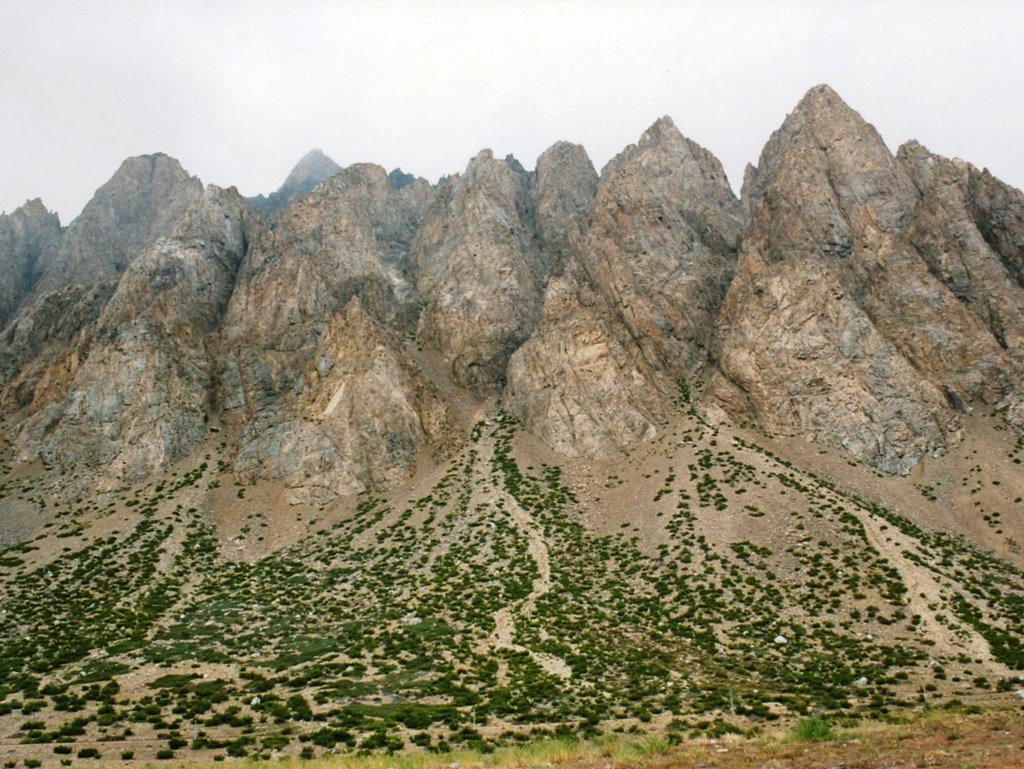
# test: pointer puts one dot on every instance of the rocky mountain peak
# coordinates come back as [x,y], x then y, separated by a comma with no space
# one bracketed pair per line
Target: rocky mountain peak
[142,201]
[313,168]
[879,260]
[859,298]
[34,208]
[662,129]
[564,186]
[397,179]
[28,237]
[822,98]
[480,272]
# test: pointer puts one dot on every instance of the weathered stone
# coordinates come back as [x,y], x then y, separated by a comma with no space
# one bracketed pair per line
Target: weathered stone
[141,202]
[835,326]
[314,167]
[479,272]
[634,312]
[138,398]
[27,237]
[362,422]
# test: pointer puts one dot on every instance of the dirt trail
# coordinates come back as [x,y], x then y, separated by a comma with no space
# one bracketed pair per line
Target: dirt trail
[503,636]
[923,589]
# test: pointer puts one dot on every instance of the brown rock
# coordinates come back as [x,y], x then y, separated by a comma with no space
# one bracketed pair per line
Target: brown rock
[634,312]
[138,393]
[479,272]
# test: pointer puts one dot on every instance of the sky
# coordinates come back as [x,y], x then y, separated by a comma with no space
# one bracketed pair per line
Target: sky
[239,91]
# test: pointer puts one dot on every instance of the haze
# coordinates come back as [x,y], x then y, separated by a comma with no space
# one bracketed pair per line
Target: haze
[239,91]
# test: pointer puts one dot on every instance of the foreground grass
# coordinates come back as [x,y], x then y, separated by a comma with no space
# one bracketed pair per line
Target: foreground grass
[993,739]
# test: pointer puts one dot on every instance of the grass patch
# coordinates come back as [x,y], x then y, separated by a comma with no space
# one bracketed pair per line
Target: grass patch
[812,730]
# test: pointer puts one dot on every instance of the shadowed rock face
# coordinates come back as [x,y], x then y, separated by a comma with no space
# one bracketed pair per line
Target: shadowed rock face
[636,306]
[856,297]
[314,167]
[77,273]
[849,319]
[480,272]
[563,190]
[27,237]
[142,201]
[138,398]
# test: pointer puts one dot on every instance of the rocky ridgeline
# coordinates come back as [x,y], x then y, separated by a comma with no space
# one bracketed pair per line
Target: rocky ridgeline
[335,331]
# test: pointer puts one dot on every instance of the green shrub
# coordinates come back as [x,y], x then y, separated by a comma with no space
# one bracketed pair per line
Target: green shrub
[812,730]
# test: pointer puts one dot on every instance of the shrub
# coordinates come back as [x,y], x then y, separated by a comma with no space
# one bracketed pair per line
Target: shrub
[812,730]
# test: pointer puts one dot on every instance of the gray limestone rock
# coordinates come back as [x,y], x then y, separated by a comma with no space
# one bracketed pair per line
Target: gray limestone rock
[480,273]
[313,168]
[634,312]
[27,237]
[138,397]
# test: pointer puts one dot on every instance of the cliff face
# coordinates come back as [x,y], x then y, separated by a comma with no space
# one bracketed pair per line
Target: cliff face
[135,394]
[480,272]
[862,299]
[635,309]
[27,237]
[142,201]
[849,318]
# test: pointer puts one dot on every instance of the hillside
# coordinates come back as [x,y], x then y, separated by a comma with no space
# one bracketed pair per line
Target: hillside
[375,464]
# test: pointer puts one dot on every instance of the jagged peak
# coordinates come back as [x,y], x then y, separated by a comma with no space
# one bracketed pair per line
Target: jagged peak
[514,164]
[563,151]
[312,168]
[823,123]
[662,129]
[822,106]
[398,179]
[33,208]
[821,95]
[151,162]
[484,164]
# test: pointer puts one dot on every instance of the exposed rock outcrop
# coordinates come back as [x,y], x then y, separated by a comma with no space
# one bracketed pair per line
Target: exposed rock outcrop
[143,201]
[138,397]
[859,298]
[27,236]
[349,238]
[364,418]
[844,320]
[480,272]
[563,190]
[313,376]
[635,310]
[313,168]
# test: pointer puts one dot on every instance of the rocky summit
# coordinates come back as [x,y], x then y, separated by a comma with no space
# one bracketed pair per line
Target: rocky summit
[372,463]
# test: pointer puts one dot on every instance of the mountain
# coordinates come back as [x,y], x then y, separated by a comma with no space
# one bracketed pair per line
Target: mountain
[313,168]
[372,463]
[890,344]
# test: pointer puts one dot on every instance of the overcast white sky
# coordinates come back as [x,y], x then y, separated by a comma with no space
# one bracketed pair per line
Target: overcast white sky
[238,91]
